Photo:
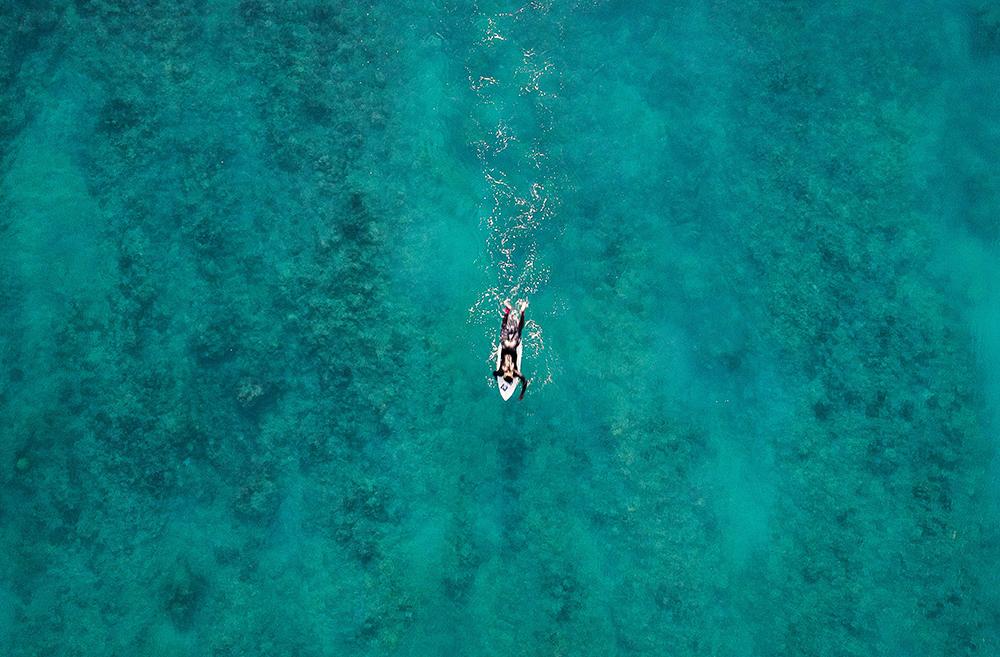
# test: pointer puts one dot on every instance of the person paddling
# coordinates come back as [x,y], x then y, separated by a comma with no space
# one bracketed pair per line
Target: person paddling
[510,340]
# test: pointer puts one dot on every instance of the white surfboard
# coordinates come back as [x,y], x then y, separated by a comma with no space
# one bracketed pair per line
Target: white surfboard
[507,389]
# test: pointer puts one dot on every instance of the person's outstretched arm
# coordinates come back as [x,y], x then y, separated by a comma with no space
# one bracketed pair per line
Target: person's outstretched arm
[524,387]
[503,318]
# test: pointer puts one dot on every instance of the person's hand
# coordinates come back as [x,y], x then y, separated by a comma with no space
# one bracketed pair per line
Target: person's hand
[524,306]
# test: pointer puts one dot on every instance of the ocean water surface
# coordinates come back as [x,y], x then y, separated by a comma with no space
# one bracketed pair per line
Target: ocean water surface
[253,257]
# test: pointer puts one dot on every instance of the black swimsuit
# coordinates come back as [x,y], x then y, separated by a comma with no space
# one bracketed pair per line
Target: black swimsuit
[507,351]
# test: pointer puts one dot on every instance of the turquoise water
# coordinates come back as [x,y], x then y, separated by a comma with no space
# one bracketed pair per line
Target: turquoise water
[253,256]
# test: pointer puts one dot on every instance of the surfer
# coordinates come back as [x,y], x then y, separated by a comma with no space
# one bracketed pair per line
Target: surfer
[510,340]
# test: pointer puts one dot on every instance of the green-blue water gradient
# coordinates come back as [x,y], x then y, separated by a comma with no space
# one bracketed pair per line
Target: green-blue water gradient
[252,261]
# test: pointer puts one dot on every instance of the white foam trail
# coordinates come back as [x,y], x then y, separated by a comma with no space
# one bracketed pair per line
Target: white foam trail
[520,184]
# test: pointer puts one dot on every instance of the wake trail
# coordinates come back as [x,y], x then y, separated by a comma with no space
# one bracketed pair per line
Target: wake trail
[520,183]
